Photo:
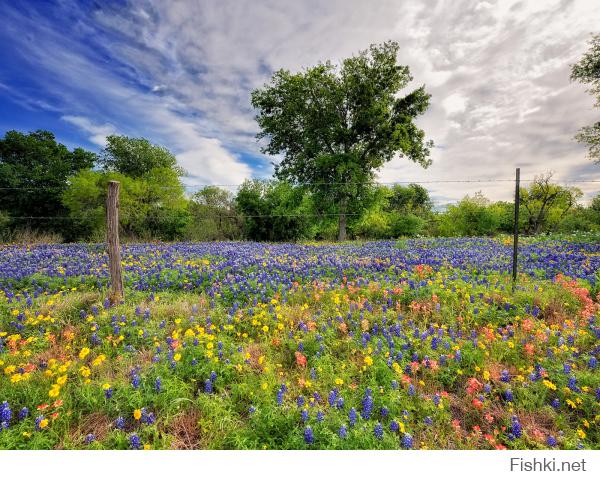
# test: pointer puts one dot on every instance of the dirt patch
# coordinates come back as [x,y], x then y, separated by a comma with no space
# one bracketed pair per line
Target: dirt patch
[185,430]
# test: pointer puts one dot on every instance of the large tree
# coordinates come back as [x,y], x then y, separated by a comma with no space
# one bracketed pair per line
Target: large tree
[336,126]
[135,157]
[34,169]
[546,203]
[587,70]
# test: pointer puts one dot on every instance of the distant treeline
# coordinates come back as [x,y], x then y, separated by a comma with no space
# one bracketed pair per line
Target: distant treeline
[46,189]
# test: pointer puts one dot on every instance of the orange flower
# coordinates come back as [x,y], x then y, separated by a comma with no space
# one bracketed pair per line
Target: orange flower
[300,359]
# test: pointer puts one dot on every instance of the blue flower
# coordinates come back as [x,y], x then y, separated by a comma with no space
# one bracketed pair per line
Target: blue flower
[378,431]
[367,407]
[108,393]
[343,431]
[208,386]
[428,421]
[394,426]
[517,431]
[135,381]
[555,403]
[120,423]
[5,412]
[251,410]
[90,438]
[308,435]
[551,441]
[407,441]
[352,416]
[508,396]
[134,442]
[23,413]
[304,415]
[300,401]
[157,384]
[320,416]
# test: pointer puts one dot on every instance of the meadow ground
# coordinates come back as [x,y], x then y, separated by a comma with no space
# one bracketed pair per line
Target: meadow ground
[413,344]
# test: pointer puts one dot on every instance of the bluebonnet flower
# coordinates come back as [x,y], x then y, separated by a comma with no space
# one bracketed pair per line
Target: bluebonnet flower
[572,384]
[516,429]
[436,400]
[407,441]
[135,381]
[332,397]
[340,403]
[508,396]
[5,412]
[411,390]
[134,442]
[551,441]
[352,416]
[394,426]
[555,403]
[593,362]
[378,431]
[279,396]
[428,421]
[320,416]
[108,392]
[208,386]
[304,415]
[300,401]
[157,384]
[251,410]
[23,413]
[504,376]
[120,423]
[308,435]
[343,431]
[90,438]
[367,407]
[213,377]
[598,394]
[38,422]
[394,384]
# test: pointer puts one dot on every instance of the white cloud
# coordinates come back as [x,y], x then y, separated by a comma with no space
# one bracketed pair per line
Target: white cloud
[98,133]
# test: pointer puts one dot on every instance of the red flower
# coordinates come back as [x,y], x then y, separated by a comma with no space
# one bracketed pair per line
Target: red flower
[300,359]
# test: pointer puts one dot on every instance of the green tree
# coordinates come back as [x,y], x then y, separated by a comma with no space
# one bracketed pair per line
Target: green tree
[213,216]
[472,216]
[135,157]
[151,207]
[274,211]
[34,169]
[587,70]
[335,127]
[546,203]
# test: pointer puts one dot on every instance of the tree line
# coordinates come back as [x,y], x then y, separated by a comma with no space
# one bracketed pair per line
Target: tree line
[45,187]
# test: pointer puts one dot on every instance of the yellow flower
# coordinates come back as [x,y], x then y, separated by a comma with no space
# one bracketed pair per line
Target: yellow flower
[339,381]
[581,433]
[147,446]
[549,384]
[264,385]
[105,386]
[368,360]
[177,357]
[85,372]
[84,353]
[43,423]
[54,391]
[265,328]
[99,360]
[137,414]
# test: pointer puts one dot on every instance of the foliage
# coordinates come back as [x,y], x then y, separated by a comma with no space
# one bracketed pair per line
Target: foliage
[34,169]
[152,206]
[587,70]
[545,203]
[135,157]
[470,217]
[274,211]
[336,127]
[213,216]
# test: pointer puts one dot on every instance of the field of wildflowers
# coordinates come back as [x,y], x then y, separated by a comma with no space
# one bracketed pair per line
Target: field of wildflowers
[417,344]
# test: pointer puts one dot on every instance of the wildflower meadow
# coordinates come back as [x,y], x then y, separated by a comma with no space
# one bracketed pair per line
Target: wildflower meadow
[413,344]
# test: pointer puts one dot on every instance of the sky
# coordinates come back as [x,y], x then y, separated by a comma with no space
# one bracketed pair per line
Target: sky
[180,73]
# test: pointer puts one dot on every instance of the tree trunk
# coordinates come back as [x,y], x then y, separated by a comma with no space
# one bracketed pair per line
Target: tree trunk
[342,220]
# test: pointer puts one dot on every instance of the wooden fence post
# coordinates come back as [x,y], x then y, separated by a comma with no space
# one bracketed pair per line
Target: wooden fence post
[112,240]
[516,230]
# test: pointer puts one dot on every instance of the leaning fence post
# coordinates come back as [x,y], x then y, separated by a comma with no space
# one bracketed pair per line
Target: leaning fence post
[112,240]
[516,230]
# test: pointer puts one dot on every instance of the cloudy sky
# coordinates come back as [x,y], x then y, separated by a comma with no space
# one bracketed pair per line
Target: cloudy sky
[180,73]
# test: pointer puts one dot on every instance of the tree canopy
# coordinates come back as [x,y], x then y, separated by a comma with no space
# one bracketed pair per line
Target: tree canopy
[587,70]
[336,126]
[135,157]
[34,169]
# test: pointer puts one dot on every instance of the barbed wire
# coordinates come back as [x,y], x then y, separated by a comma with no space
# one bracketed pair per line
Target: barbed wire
[400,182]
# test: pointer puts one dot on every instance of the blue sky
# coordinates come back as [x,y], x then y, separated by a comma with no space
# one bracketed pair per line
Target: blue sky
[181,73]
